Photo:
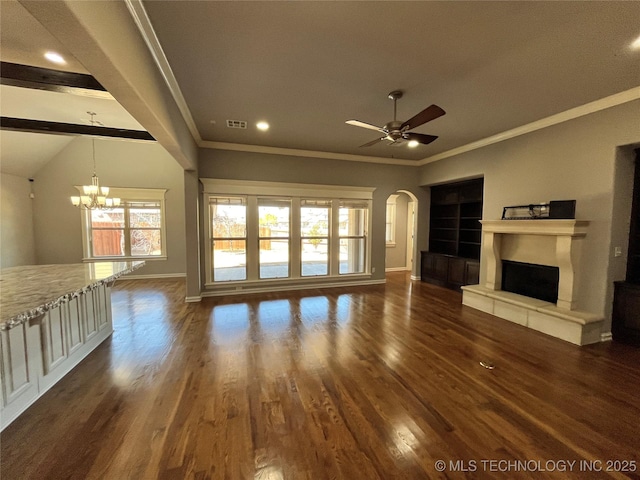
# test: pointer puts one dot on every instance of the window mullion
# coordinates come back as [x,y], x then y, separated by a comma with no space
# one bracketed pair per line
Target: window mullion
[127,231]
[334,238]
[295,245]
[253,244]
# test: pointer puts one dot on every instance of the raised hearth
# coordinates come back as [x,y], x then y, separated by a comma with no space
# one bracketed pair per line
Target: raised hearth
[554,243]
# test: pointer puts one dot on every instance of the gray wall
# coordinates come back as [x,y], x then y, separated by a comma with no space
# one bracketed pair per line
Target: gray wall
[573,160]
[396,256]
[279,168]
[119,164]
[16,228]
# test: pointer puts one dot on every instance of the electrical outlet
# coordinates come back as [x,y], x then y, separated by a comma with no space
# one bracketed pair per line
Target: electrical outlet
[617,251]
[373,270]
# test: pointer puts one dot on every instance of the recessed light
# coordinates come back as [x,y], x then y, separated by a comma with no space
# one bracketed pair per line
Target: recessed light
[636,44]
[55,58]
[262,126]
[413,144]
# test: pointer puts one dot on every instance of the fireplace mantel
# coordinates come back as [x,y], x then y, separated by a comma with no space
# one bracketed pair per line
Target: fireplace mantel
[572,228]
[563,253]
[556,243]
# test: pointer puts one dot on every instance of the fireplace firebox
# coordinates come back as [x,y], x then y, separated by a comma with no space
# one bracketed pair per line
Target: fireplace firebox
[536,281]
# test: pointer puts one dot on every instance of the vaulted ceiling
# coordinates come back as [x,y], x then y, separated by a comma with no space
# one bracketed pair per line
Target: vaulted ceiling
[307,67]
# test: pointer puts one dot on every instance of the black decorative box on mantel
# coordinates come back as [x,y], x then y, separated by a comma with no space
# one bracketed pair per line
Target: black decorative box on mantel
[556,209]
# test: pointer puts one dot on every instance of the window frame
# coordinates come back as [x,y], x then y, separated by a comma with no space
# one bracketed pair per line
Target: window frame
[253,190]
[326,204]
[126,195]
[390,221]
[212,239]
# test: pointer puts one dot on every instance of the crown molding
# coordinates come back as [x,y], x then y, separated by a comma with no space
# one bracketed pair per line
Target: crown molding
[582,110]
[140,17]
[292,152]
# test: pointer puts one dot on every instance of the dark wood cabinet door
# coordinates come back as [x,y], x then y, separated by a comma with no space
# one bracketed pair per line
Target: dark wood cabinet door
[626,313]
[472,273]
[456,270]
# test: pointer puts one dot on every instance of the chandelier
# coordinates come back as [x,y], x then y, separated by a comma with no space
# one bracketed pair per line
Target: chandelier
[95,197]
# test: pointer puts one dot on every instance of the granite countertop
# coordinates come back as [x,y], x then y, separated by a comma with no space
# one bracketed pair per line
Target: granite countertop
[29,291]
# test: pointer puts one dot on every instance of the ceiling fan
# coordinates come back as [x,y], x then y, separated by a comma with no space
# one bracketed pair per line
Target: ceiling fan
[396,132]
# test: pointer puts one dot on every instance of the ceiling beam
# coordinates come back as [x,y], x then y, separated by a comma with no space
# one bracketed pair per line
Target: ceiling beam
[27,76]
[59,128]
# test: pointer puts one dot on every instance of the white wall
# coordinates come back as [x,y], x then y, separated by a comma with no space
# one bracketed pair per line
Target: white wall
[16,226]
[571,160]
[119,164]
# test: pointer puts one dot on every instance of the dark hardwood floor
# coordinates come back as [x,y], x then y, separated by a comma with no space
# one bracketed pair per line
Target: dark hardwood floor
[375,382]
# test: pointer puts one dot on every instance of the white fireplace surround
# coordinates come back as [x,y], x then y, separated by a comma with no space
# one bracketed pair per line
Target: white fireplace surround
[555,243]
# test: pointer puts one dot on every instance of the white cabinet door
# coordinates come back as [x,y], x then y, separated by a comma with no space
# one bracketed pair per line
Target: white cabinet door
[19,370]
[52,339]
[90,317]
[75,334]
[102,309]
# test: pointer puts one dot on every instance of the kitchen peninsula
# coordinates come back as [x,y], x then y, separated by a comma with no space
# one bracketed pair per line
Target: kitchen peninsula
[51,317]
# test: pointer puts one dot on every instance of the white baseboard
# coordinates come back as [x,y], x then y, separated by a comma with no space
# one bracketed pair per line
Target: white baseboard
[193,299]
[415,277]
[219,293]
[606,337]
[396,269]
[154,276]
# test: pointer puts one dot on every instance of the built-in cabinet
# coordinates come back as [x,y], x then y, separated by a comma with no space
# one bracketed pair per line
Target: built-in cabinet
[455,234]
[36,354]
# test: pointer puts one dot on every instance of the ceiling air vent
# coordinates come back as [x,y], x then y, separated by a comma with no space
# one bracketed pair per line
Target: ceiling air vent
[237,124]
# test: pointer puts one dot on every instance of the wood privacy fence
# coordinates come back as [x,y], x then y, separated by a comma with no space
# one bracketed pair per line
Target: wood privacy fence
[107,242]
[222,231]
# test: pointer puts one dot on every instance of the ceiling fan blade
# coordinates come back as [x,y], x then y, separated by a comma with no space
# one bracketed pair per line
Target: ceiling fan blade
[420,137]
[358,123]
[430,113]
[373,142]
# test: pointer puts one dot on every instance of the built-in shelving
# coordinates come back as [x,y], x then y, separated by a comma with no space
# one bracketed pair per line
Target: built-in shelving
[455,234]
[456,211]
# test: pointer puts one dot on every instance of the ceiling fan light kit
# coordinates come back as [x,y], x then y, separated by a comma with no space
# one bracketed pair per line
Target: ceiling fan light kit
[397,132]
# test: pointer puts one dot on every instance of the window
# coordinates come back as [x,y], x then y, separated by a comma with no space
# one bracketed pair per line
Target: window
[270,232]
[135,229]
[390,221]
[274,216]
[314,237]
[353,228]
[228,216]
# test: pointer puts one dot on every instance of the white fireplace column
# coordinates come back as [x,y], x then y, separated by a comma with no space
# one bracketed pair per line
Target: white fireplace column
[568,240]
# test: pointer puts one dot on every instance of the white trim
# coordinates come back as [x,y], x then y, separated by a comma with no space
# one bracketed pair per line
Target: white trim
[142,21]
[122,259]
[218,186]
[193,299]
[415,277]
[606,337]
[586,109]
[396,269]
[276,288]
[154,276]
[294,152]
[410,232]
[135,193]
[126,193]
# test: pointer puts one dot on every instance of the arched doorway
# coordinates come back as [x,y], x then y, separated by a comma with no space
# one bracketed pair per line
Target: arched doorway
[400,232]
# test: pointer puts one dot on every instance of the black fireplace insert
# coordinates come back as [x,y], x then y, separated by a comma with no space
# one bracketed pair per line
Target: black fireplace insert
[530,280]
